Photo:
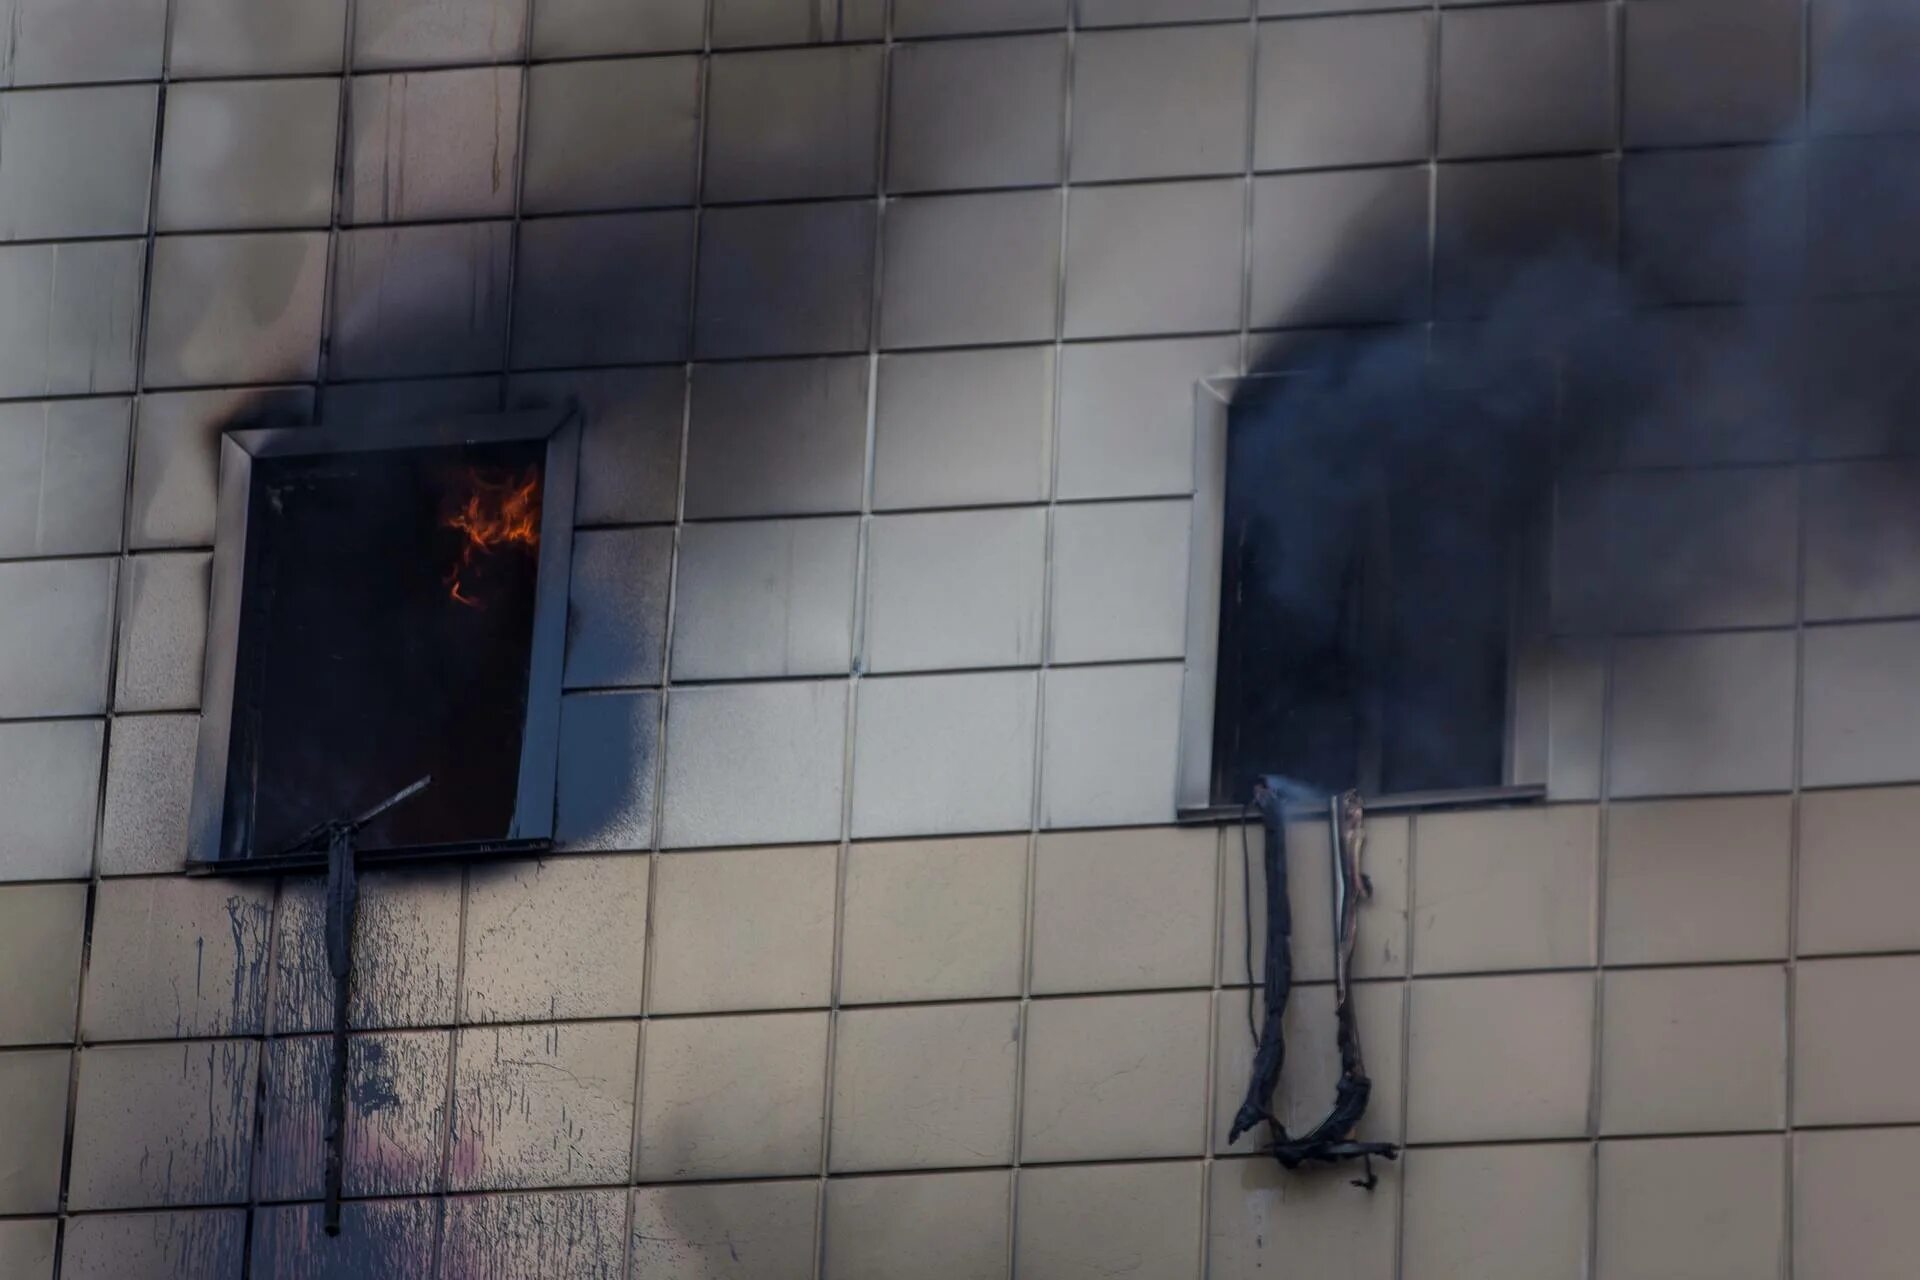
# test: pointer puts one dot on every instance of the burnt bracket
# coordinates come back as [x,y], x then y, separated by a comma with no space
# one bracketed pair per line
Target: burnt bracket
[1332,1140]
[343,904]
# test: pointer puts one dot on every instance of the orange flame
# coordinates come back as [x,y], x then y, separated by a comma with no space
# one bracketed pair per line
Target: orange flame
[501,510]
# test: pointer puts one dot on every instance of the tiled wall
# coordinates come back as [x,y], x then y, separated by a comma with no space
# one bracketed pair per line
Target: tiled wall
[871,951]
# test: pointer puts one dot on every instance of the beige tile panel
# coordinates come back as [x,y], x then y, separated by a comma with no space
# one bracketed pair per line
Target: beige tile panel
[1698,880]
[924,1087]
[733,1097]
[1501,1058]
[1853,1204]
[1693,1050]
[743,929]
[1381,949]
[1505,889]
[566,1235]
[163,1124]
[40,937]
[26,1248]
[726,1230]
[1856,1036]
[1312,1068]
[933,919]
[207,1244]
[939,1226]
[1858,876]
[548,1105]
[1265,1222]
[1078,1221]
[564,938]
[1692,1208]
[1115,1076]
[177,957]
[1498,1213]
[33,1085]
[1124,910]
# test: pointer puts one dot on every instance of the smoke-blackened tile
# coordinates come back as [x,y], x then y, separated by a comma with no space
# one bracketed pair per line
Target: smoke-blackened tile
[785,280]
[163,1124]
[49,796]
[971,269]
[629,438]
[54,636]
[63,470]
[1160,258]
[1493,220]
[1714,71]
[1127,412]
[432,144]
[176,463]
[163,632]
[726,1231]
[963,428]
[1860,702]
[1527,78]
[1120,132]
[756,22]
[545,1105]
[608,755]
[779,437]
[569,1235]
[243,308]
[405,952]
[1722,225]
[582,153]
[617,614]
[1346,90]
[1859,52]
[1863,201]
[241,37]
[1343,247]
[732,1097]
[420,300]
[1702,713]
[391,1239]
[792,124]
[607,289]
[177,956]
[208,1245]
[396,1114]
[941,18]
[976,113]
[1116,13]
[389,33]
[961,1219]
[567,28]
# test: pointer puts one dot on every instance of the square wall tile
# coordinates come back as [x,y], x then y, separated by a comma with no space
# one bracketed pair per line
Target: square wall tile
[163,632]
[76,162]
[53,640]
[1154,259]
[1498,1213]
[432,144]
[396,1114]
[406,953]
[390,1238]
[68,321]
[420,300]
[49,794]
[1340,247]
[1111,747]
[1109,1220]
[150,765]
[1116,1076]
[1854,1028]
[743,929]
[581,155]
[163,1124]
[56,41]
[243,37]
[402,402]
[1852,1214]
[236,308]
[792,124]
[765,598]
[388,33]
[1124,910]
[629,438]
[940,18]
[1712,71]
[1693,1050]
[781,744]
[925,1086]
[176,456]
[1380,951]
[955,589]
[1863,196]
[1526,78]
[1343,91]
[1856,371]
[35,1085]
[210,1243]
[1119,581]
[934,755]
[609,749]
[955,428]
[971,269]
[542,1105]
[1501,1058]
[756,22]
[976,113]
[1704,713]
[1855,47]
[785,280]
[562,938]
[1712,226]
[617,607]
[568,28]
[1118,13]
[1311,1077]
[1127,411]
[1862,537]
[1264,1221]
[1691,881]
[934,920]
[577,1234]
[1706,1208]
[780,437]
[732,1097]
[248,153]
[27,1247]
[938,1226]
[63,467]
[726,1231]
[41,928]
[1506,889]
[602,290]
[177,957]
[1855,871]
[1859,699]
[1493,219]
[1124,129]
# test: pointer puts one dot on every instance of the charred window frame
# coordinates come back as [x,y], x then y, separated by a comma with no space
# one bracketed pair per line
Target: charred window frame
[225,829]
[1363,612]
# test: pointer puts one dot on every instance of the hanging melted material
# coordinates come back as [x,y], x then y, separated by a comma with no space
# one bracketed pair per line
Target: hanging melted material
[1332,1140]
